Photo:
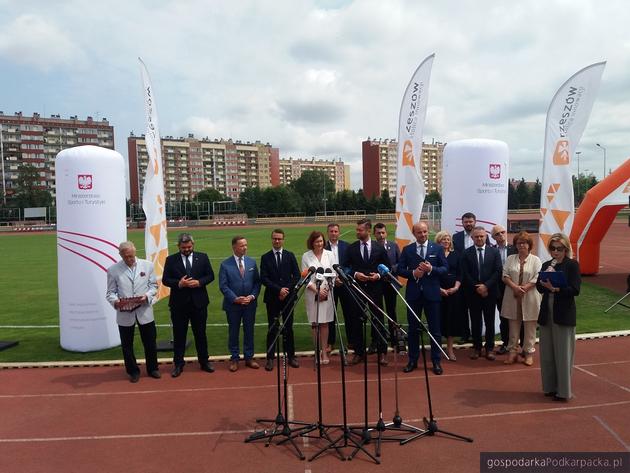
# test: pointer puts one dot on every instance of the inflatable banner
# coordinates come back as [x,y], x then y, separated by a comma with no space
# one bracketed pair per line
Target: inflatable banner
[90,225]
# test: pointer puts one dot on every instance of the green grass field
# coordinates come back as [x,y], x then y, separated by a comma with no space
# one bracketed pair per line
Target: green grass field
[28,291]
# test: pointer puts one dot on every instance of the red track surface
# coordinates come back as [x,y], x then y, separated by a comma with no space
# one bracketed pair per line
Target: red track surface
[93,419]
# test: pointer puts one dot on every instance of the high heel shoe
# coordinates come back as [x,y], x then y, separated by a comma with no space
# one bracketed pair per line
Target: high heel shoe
[451,356]
[511,359]
[529,360]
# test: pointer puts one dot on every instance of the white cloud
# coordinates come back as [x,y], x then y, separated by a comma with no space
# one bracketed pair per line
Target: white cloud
[34,41]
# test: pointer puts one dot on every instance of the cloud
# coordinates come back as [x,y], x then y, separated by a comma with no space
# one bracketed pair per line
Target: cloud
[34,41]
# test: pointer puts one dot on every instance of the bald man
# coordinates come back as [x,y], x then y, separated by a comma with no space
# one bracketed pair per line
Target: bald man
[423,263]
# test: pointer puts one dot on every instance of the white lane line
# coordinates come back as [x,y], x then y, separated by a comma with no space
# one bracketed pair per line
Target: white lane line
[305,438]
[612,432]
[123,436]
[289,401]
[606,380]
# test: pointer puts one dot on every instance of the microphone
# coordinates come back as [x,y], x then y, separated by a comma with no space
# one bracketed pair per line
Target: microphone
[328,274]
[341,273]
[319,276]
[306,276]
[386,273]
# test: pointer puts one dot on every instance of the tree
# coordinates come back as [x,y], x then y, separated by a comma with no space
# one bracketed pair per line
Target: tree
[313,187]
[432,197]
[280,200]
[535,194]
[581,184]
[250,201]
[512,197]
[210,195]
[386,201]
[28,191]
[522,193]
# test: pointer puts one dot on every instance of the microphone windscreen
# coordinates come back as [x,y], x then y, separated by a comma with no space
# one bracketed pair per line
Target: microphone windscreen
[304,272]
[320,270]
[382,269]
[328,270]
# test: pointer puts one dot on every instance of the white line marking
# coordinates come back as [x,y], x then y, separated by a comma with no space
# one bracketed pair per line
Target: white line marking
[612,432]
[305,438]
[289,401]
[606,380]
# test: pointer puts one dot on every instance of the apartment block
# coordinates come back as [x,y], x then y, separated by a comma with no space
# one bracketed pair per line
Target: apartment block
[191,165]
[380,166]
[36,140]
[291,169]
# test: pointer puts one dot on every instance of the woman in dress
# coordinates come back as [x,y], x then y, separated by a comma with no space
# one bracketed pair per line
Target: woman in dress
[557,319]
[319,302]
[449,287]
[521,303]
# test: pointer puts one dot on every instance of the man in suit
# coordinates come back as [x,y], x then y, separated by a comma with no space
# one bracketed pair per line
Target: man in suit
[389,294]
[423,263]
[338,248]
[239,282]
[499,233]
[279,273]
[134,278]
[461,241]
[481,267]
[188,273]
[361,261]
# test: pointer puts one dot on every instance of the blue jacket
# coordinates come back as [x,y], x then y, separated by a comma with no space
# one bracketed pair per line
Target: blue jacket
[232,285]
[428,286]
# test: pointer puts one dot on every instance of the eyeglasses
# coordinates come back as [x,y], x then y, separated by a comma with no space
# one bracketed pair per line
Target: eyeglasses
[556,248]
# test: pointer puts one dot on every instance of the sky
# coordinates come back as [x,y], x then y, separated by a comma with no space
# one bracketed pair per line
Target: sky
[315,78]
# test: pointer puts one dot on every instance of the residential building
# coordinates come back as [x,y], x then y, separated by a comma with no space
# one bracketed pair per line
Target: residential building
[191,165]
[36,141]
[380,166]
[291,169]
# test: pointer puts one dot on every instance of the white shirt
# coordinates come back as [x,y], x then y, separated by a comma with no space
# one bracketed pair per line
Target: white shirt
[468,241]
[334,248]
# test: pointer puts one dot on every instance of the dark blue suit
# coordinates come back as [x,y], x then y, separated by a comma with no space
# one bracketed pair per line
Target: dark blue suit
[489,275]
[232,285]
[389,295]
[188,304]
[423,293]
[341,295]
[274,278]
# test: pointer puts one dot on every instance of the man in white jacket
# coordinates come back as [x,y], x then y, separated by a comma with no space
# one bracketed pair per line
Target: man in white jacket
[131,290]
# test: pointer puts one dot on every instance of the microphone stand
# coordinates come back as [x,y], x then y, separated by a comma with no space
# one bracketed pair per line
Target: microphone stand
[430,423]
[380,329]
[320,426]
[346,433]
[282,424]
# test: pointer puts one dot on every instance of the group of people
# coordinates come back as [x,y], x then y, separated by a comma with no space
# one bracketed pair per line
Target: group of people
[456,281]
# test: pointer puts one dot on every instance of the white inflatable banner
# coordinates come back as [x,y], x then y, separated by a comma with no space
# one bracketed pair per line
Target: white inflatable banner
[567,117]
[475,179]
[90,183]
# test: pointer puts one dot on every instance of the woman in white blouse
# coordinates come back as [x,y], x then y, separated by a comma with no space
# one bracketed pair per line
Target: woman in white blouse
[318,257]
[521,301]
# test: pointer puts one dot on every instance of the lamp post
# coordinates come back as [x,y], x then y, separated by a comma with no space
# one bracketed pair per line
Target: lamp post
[603,149]
[577,156]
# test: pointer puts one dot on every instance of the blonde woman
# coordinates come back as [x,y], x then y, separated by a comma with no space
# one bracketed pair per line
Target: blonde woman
[557,319]
[450,308]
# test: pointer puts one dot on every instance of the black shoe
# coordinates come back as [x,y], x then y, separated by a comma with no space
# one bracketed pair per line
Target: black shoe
[177,370]
[560,399]
[269,365]
[410,367]
[134,378]
[502,350]
[207,367]
[437,368]
[371,349]
[294,363]
[155,374]
[550,394]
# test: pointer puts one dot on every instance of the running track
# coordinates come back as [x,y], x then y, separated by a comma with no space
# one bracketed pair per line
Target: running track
[93,419]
